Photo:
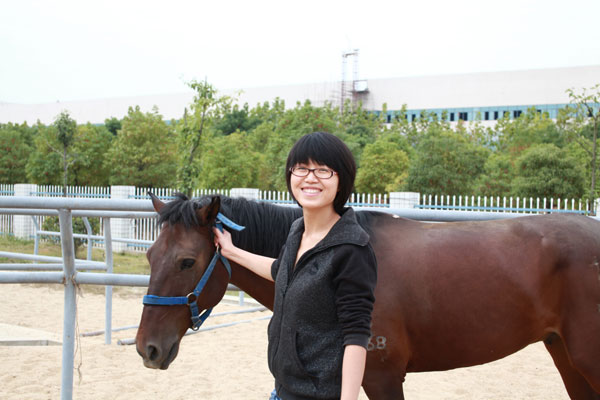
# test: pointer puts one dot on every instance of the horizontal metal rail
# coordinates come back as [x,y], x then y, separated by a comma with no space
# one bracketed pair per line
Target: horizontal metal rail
[125,342]
[91,278]
[85,278]
[98,238]
[50,259]
[55,203]
[48,267]
[219,314]
[81,213]
[32,277]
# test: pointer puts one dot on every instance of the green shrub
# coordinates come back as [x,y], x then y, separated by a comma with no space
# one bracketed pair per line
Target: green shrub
[52,224]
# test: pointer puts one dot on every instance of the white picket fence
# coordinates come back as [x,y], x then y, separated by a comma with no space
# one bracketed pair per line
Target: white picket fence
[73,191]
[147,229]
[528,205]
[6,221]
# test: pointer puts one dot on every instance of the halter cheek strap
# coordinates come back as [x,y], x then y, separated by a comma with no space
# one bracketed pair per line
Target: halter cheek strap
[191,299]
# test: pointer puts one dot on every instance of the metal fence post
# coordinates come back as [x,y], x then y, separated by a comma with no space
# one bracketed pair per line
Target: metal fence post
[89,231]
[70,310]
[108,257]
[36,243]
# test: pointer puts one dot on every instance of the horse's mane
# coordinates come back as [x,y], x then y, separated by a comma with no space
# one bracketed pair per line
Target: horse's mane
[181,210]
[267,225]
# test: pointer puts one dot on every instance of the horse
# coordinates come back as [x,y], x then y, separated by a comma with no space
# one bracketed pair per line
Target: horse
[449,295]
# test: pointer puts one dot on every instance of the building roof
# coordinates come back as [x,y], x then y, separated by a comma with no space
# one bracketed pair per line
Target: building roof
[485,89]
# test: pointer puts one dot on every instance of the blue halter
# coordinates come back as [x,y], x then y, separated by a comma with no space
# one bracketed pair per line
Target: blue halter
[197,318]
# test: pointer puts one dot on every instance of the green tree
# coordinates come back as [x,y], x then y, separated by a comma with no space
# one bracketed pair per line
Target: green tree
[113,125]
[498,173]
[415,130]
[144,152]
[545,170]
[583,162]
[91,145]
[66,127]
[584,119]
[531,128]
[236,119]
[446,163]
[384,168]
[14,152]
[358,128]
[44,163]
[205,110]
[229,161]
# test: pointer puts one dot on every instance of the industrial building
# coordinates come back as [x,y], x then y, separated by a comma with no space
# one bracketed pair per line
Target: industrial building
[486,95]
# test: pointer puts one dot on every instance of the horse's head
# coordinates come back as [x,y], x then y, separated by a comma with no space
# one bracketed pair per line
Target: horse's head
[178,259]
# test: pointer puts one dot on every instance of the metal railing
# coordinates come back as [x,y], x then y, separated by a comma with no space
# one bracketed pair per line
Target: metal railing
[69,276]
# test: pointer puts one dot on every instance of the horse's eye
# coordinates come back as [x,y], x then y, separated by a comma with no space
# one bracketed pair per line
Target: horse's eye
[187,263]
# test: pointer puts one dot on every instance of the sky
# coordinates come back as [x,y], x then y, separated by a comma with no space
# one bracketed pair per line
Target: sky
[68,50]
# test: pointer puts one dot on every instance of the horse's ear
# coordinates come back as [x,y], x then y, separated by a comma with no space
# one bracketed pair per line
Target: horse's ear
[208,214]
[156,202]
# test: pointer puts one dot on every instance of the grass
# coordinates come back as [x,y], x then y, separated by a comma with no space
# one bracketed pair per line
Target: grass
[123,262]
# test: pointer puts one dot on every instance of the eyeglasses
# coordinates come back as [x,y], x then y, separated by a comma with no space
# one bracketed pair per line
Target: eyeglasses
[321,173]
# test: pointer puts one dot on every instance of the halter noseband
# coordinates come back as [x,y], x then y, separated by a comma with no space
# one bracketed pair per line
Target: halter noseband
[190,299]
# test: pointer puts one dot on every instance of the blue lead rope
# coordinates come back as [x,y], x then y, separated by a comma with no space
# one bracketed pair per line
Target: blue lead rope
[190,300]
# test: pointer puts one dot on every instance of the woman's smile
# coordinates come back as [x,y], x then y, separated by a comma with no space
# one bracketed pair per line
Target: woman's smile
[311,191]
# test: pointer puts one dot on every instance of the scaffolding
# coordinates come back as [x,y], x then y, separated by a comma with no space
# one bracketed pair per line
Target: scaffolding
[351,90]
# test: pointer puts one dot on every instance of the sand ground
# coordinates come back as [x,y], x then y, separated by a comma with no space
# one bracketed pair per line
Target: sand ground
[228,363]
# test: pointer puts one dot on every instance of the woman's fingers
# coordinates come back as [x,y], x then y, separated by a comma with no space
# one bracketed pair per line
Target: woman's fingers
[221,237]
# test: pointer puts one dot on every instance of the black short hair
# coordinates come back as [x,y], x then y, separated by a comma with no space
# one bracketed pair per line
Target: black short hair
[325,149]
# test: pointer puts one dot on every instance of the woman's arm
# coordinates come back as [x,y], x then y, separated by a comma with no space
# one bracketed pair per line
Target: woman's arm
[260,265]
[353,369]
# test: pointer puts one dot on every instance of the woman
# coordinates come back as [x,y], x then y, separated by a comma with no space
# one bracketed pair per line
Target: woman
[324,277]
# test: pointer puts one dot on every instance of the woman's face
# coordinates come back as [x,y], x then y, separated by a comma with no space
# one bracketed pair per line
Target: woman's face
[312,192]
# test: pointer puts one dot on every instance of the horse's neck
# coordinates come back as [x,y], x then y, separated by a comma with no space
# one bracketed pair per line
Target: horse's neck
[258,288]
[267,226]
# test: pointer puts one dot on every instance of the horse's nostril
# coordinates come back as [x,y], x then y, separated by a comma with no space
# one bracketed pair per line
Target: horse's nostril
[152,353]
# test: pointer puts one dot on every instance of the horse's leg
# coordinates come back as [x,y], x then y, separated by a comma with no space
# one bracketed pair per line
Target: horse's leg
[579,327]
[384,383]
[576,384]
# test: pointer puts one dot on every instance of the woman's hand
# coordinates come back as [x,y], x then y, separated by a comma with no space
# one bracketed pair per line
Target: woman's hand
[223,240]
[258,264]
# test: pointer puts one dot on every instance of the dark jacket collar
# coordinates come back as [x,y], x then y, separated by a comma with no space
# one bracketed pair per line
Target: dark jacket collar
[345,230]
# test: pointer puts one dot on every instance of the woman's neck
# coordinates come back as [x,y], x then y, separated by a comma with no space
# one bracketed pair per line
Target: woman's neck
[319,222]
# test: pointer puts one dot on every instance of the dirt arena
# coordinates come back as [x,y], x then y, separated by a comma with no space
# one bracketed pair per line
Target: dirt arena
[228,363]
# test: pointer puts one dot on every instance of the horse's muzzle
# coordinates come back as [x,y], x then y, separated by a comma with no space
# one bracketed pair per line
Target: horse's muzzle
[156,357]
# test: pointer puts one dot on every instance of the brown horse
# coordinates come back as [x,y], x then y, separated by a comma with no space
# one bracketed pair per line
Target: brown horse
[449,295]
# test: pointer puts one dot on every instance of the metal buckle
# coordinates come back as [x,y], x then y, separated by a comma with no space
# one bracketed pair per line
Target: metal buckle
[191,297]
